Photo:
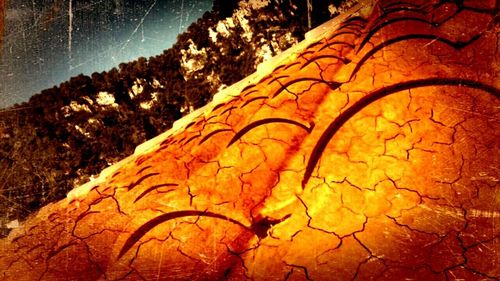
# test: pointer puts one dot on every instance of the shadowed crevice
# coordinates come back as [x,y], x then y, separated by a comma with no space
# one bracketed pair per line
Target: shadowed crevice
[268,121]
[376,95]
[152,188]
[259,227]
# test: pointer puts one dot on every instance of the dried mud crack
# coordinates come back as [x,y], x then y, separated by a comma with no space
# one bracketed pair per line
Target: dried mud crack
[372,154]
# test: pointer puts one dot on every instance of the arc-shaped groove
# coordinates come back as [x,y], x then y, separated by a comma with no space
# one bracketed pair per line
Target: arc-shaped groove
[141,160]
[337,43]
[167,141]
[218,106]
[250,92]
[306,53]
[355,33]
[351,24]
[52,253]
[192,138]
[143,169]
[248,87]
[258,227]
[255,124]
[279,67]
[209,135]
[400,3]
[314,44]
[290,65]
[145,228]
[140,180]
[189,125]
[200,120]
[332,129]
[180,140]
[210,118]
[277,79]
[456,45]
[152,188]
[227,109]
[355,18]
[343,60]
[332,84]
[253,99]
[386,23]
[265,78]
[401,9]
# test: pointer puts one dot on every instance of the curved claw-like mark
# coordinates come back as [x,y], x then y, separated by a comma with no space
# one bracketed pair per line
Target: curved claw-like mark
[250,126]
[252,100]
[189,125]
[248,87]
[139,181]
[205,138]
[192,138]
[60,249]
[355,33]
[258,228]
[376,95]
[314,44]
[352,23]
[455,44]
[143,169]
[350,26]
[277,79]
[227,109]
[355,18]
[290,65]
[217,107]
[145,228]
[387,11]
[154,187]
[400,3]
[249,93]
[285,66]
[352,46]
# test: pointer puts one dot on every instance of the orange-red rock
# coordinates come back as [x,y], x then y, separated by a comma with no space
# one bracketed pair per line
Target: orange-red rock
[370,154]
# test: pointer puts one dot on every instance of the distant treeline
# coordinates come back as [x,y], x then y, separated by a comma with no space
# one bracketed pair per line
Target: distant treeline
[65,134]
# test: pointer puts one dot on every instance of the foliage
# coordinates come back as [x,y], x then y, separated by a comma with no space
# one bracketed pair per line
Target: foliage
[66,134]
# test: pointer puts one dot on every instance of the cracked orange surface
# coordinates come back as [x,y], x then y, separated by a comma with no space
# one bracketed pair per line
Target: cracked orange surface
[371,156]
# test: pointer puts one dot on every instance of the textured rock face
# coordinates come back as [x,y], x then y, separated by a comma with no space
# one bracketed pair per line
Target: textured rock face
[371,154]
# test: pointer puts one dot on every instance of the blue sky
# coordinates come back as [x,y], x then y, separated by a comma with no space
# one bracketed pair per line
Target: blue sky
[37,51]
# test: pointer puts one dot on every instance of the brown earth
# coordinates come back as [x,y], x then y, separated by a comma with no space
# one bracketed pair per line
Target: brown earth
[2,22]
[373,155]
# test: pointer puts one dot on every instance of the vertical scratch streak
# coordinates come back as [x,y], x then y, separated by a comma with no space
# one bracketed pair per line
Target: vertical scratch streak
[159,263]
[33,9]
[70,28]
[182,12]
[137,27]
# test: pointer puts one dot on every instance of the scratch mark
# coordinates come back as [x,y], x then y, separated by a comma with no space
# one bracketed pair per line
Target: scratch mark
[139,25]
